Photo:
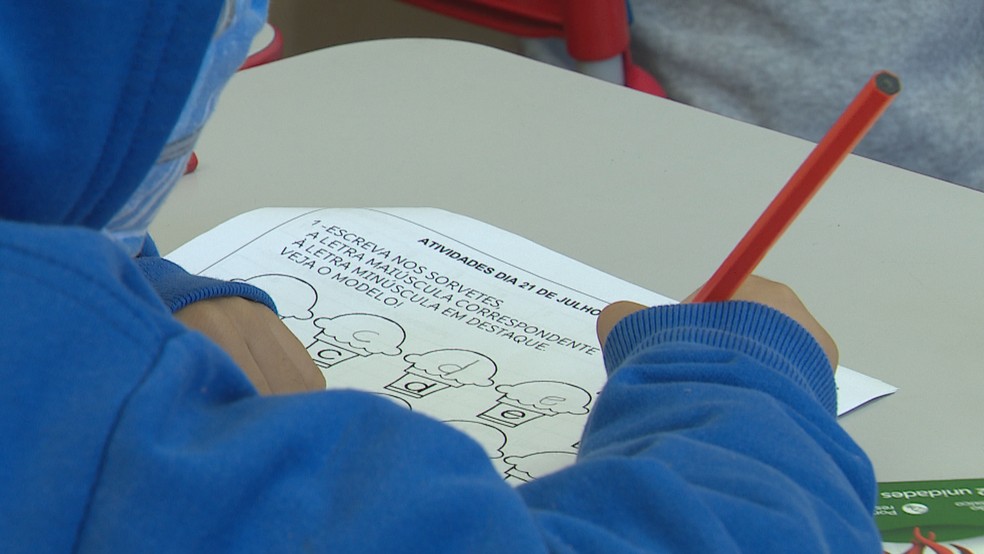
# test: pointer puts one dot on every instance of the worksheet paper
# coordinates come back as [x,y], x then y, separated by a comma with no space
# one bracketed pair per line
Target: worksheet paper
[443,315]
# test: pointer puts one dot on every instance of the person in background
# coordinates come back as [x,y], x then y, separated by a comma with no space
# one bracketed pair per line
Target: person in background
[124,429]
[794,66]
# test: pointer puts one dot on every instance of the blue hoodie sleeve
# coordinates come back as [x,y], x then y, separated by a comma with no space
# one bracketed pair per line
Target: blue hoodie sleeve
[717,428]
[178,288]
[714,434]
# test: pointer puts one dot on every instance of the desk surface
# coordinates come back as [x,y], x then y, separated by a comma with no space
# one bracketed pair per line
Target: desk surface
[646,189]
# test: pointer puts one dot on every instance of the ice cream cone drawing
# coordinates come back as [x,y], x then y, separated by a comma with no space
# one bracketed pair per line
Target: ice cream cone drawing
[354,335]
[396,400]
[527,401]
[294,297]
[491,439]
[536,465]
[442,369]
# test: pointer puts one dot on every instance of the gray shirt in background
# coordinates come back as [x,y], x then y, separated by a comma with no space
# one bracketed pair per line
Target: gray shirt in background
[793,66]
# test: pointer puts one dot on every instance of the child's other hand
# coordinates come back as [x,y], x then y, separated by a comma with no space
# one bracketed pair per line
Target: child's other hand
[754,289]
[258,341]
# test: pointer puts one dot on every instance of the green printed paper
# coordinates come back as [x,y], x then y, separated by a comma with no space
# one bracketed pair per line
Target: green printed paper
[932,516]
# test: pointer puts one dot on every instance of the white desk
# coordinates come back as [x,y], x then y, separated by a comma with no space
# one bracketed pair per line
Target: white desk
[654,192]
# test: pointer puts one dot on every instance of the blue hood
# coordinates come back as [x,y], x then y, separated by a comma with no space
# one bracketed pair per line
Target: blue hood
[89,92]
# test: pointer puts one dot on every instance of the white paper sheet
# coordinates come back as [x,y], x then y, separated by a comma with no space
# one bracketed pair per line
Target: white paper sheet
[445,315]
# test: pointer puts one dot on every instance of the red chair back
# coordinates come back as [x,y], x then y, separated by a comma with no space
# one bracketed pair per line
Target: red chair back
[593,30]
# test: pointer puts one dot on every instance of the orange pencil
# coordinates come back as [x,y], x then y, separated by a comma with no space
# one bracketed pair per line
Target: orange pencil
[845,134]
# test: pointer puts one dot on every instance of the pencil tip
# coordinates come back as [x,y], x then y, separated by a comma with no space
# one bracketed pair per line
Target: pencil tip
[888,83]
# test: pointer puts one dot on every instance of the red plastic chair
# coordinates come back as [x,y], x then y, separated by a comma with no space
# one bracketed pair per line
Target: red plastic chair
[596,32]
[268,46]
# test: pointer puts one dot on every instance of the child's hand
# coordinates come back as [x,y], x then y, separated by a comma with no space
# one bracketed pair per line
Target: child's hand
[270,355]
[755,289]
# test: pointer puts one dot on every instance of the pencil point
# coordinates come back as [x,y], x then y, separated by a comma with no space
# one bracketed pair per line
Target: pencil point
[888,83]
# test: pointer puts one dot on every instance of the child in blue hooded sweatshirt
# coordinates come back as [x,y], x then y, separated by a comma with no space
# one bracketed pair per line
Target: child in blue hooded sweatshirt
[124,430]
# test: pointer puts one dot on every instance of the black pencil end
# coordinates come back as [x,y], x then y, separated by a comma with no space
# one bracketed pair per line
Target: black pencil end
[888,83]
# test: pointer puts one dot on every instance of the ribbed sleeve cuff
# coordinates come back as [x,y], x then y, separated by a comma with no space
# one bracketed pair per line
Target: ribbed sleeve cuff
[178,288]
[770,337]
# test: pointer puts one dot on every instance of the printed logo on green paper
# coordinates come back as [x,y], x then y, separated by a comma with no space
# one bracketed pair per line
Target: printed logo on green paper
[938,516]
